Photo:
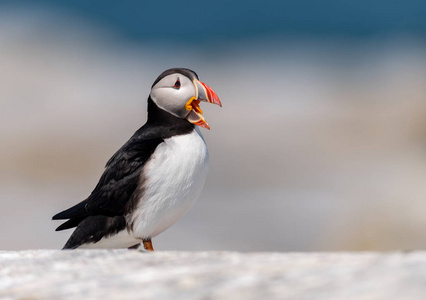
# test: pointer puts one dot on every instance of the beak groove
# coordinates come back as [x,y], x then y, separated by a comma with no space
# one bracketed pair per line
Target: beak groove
[202,93]
[205,93]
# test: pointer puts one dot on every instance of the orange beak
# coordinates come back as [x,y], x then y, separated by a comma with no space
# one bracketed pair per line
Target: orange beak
[202,93]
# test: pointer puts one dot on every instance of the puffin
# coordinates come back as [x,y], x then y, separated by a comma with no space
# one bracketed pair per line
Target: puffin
[155,177]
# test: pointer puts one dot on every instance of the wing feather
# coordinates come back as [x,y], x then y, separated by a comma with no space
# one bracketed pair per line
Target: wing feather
[118,182]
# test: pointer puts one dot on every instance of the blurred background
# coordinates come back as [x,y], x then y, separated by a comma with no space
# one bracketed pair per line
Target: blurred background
[320,144]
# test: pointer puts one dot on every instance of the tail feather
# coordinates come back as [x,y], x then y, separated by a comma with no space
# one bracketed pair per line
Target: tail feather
[77,211]
[93,228]
[71,223]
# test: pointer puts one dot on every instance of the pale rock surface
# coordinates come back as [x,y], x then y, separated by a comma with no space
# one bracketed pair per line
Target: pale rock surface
[130,274]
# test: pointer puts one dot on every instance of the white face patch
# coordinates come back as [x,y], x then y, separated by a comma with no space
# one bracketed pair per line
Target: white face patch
[172,93]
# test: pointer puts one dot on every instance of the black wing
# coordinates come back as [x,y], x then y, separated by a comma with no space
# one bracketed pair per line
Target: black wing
[118,182]
[93,228]
[120,179]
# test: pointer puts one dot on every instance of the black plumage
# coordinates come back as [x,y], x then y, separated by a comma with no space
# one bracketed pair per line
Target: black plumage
[121,185]
[186,72]
[116,192]
[93,228]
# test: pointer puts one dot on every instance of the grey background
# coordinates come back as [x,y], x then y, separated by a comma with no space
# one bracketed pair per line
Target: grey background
[319,144]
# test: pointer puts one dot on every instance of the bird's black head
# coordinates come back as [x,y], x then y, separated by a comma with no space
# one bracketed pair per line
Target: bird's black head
[179,92]
[185,72]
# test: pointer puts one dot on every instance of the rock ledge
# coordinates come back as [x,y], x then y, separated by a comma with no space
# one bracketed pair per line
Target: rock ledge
[113,274]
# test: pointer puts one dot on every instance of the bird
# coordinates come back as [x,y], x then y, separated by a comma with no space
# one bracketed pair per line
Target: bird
[155,177]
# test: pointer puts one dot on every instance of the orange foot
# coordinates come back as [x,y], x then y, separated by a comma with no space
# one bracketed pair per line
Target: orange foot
[147,244]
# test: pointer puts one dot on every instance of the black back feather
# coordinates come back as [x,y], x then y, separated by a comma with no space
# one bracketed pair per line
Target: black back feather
[120,179]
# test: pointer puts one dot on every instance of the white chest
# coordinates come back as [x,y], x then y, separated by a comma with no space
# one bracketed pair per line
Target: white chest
[175,176]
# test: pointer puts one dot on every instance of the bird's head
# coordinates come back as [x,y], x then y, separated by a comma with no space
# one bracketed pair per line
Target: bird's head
[179,92]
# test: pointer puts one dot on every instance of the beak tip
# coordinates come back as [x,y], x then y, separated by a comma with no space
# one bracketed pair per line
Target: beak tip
[208,93]
[216,100]
[204,124]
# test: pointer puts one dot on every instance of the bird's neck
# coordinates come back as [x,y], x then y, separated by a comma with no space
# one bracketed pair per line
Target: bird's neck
[160,117]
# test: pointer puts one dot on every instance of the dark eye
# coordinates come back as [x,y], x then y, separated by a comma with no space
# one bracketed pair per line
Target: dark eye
[177,84]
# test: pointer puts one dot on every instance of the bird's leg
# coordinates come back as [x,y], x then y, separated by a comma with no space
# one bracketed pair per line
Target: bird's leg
[147,244]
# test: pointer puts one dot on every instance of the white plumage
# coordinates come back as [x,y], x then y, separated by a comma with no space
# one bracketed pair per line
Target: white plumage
[175,174]
[155,177]
[175,178]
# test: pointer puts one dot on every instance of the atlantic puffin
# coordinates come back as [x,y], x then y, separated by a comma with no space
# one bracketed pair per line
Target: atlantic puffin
[155,177]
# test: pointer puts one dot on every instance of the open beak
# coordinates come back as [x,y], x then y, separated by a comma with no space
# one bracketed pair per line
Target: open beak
[202,93]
